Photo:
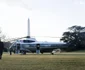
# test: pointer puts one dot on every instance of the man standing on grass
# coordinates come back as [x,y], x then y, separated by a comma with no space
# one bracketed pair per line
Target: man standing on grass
[1,48]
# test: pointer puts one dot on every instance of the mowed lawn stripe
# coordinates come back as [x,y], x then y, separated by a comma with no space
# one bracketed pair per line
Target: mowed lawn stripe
[43,62]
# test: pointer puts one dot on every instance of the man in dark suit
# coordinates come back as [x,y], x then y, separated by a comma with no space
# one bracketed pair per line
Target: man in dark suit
[1,48]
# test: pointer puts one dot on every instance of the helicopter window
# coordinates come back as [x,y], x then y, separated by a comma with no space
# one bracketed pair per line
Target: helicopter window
[25,46]
[45,45]
[28,41]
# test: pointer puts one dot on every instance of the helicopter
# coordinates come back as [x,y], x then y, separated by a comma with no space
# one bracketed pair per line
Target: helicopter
[32,45]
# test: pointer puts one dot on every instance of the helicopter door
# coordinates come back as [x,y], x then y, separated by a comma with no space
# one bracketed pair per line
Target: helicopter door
[18,48]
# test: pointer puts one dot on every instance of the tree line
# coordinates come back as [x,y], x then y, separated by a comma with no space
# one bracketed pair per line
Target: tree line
[75,38]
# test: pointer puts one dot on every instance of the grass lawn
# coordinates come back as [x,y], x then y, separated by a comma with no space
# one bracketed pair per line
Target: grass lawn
[62,61]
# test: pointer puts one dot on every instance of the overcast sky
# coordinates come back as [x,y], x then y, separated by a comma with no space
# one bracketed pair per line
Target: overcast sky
[47,17]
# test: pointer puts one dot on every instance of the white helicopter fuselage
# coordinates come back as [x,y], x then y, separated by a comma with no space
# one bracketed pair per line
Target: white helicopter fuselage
[30,45]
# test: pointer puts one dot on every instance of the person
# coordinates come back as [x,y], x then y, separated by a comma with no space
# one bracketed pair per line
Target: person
[10,51]
[38,48]
[18,48]
[1,48]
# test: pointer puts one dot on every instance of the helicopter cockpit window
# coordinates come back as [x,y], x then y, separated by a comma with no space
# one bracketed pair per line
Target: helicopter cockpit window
[28,41]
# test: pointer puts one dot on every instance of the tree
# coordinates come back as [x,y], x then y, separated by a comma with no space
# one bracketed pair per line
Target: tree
[2,36]
[75,37]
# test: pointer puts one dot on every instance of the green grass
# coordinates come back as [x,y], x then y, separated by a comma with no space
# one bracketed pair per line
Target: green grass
[62,61]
